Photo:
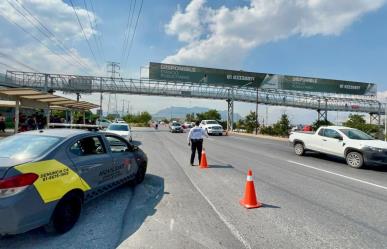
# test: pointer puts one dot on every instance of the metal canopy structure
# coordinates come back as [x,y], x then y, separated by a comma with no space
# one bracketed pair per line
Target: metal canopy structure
[322,103]
[46,98]
[27,97]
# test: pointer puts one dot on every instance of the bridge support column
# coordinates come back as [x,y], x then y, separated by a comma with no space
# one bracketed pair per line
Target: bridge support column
[230,115]
[375,118]
[322,115]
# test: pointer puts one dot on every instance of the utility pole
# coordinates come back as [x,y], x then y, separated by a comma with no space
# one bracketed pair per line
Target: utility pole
[108,112]
[123,108]
[256,115]
[112,69]
[385,122]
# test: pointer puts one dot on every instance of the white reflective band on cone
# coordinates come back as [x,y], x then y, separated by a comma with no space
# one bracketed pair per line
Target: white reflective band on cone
[249,178]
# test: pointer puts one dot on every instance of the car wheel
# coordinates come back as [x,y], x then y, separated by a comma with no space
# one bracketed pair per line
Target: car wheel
[299,149]
[139,178]
[355,159]
[66,214]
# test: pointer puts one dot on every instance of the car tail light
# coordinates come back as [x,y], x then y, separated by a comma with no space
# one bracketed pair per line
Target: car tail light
[16,184]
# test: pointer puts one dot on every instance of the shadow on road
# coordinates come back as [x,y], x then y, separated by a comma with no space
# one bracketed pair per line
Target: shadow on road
[145,198]
[377,168]
[269,206]
[220,166]
[105,222]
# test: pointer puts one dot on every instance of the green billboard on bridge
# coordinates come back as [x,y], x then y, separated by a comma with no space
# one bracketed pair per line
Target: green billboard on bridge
[221,77]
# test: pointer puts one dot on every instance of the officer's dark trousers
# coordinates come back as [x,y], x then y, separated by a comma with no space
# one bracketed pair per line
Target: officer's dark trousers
[196,144]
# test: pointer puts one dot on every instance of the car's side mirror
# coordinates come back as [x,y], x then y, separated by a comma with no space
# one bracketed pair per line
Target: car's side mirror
[132,148]
[340,138]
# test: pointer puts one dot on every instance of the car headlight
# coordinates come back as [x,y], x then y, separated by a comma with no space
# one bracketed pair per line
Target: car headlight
[210,128]
[373,148]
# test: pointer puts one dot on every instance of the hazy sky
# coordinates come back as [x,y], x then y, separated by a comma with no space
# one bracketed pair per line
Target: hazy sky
[342,39]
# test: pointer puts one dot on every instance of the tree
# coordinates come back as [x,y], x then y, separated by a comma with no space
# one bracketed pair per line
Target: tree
[282,126]
[190,117]
[358,122]
[111,117]
[142,118]
[211,114]
[249,122]
[319,123]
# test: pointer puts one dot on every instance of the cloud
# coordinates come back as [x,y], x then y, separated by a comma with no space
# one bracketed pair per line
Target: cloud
[55,53]
[224,36]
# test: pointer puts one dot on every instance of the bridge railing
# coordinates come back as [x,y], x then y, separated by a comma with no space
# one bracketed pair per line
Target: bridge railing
[90,84]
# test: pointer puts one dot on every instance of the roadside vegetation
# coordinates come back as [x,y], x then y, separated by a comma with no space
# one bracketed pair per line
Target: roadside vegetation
[141,119]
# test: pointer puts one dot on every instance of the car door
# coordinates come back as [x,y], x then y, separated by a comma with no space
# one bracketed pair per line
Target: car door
[123,157]
[333,142]
[91,159]
[317,142]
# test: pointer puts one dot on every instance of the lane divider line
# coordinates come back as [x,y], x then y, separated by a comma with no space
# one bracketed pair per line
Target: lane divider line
[223,218]
[337,174]
[232,229]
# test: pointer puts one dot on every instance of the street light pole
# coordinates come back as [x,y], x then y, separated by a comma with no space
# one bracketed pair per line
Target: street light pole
[256,115]
[385,122]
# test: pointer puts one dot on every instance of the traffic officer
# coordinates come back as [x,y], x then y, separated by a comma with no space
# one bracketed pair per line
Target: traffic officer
[195,140]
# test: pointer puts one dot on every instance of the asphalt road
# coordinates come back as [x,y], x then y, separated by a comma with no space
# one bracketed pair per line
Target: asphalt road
[309,202]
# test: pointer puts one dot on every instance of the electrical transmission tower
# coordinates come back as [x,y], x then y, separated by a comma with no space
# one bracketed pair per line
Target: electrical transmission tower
[113,71]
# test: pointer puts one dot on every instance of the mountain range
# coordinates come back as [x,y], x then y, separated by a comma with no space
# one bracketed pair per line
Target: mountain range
[181,112]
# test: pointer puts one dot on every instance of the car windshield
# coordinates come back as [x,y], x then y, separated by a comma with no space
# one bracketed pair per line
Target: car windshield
[356,134]
[118,128]
[24,147]
[175,124]
[212,122]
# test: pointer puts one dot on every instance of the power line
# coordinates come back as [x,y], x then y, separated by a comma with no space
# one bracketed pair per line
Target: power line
[92,27]
[38,40]
[99,38]
[50,36]
[134,32]
[8,66]
[17,61]
[128,28]
[83,32]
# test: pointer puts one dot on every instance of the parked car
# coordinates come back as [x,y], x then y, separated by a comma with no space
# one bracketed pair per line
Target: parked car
[187,125]
[46,176]
[356,147]
[212,127]
[119,120]
[121,129]
[175,127]
[104,123]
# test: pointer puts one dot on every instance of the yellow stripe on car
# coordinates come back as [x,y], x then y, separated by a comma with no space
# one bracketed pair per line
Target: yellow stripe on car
[55,179]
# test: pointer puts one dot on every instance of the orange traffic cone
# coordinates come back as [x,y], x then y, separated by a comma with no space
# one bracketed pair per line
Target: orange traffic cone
[203,160]
[250,199]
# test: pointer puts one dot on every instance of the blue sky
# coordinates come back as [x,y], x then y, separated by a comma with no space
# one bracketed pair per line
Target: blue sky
[342,39]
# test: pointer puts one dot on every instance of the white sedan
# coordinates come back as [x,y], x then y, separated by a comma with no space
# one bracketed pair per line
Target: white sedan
[121,129]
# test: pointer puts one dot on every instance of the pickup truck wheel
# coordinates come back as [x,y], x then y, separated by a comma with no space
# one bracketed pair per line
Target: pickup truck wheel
[66,214]
[299,149]
[355,159]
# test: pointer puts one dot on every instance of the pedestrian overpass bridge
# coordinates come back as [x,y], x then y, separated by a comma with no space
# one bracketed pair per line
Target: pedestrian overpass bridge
[322,103]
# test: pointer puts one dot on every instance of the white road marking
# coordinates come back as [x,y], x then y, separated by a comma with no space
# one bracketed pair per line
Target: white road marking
[337,174]
[232,229]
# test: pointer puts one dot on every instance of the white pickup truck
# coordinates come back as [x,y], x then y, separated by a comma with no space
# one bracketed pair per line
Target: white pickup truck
[356,147]
[212,127]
